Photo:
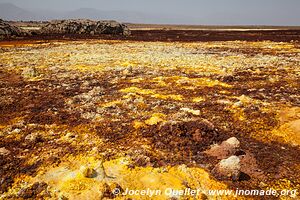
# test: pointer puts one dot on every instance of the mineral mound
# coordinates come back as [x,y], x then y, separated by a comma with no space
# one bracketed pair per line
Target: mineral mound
[85,27]
[8,31]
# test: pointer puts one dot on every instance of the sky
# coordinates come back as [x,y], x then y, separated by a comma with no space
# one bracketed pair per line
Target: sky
[227,12]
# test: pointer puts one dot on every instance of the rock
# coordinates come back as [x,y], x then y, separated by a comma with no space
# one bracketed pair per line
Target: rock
[33,191]
[174,135]
[142,160]
[197,135]
[228,78]
[62,197]
[88,172]
[233,142]
[228,168]
[5,183]
[4,151]
[16,131]
[85,27]
[250,167]
[30,72]
[225,149]
[33,137]
[9,31]
[188,110]
[208,124]
[238,104]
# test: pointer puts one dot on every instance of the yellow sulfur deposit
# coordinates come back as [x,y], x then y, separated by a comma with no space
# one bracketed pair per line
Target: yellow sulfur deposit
[156,118]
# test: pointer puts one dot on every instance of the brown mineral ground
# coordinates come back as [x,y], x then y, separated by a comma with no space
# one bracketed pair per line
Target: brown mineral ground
[159,109]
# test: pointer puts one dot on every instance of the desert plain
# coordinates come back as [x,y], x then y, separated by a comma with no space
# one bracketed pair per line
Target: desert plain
[158,109]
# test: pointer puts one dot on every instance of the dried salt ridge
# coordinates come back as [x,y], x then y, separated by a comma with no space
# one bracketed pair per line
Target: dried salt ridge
[85,27]
[9,31]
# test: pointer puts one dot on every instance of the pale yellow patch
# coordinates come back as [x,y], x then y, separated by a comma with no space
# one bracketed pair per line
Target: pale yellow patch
[289,132]
[190,83]
[152,93]
[111,104]
[136,80]
[155,119]
[198,99]
[188,110]
[138,91]
[168,96]
[138,124]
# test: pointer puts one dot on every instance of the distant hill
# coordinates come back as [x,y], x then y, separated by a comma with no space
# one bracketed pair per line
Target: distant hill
[11,12]
[95,14]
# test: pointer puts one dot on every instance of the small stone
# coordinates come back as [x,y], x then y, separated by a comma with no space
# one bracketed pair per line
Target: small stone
[228,168]
[16,131]
[208,124]
[88,172]
[233,141]
[238,104]
[33,137]
[142,160]
[188,110]
[197,136]
[4,151]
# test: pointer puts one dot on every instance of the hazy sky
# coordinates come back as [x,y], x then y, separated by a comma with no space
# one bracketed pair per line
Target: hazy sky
[285,12]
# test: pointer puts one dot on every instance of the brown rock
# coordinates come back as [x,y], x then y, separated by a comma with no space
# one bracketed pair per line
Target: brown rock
[225,149]
[197,136]
[85,27]
[4,151]
[9,31]
[32,191]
